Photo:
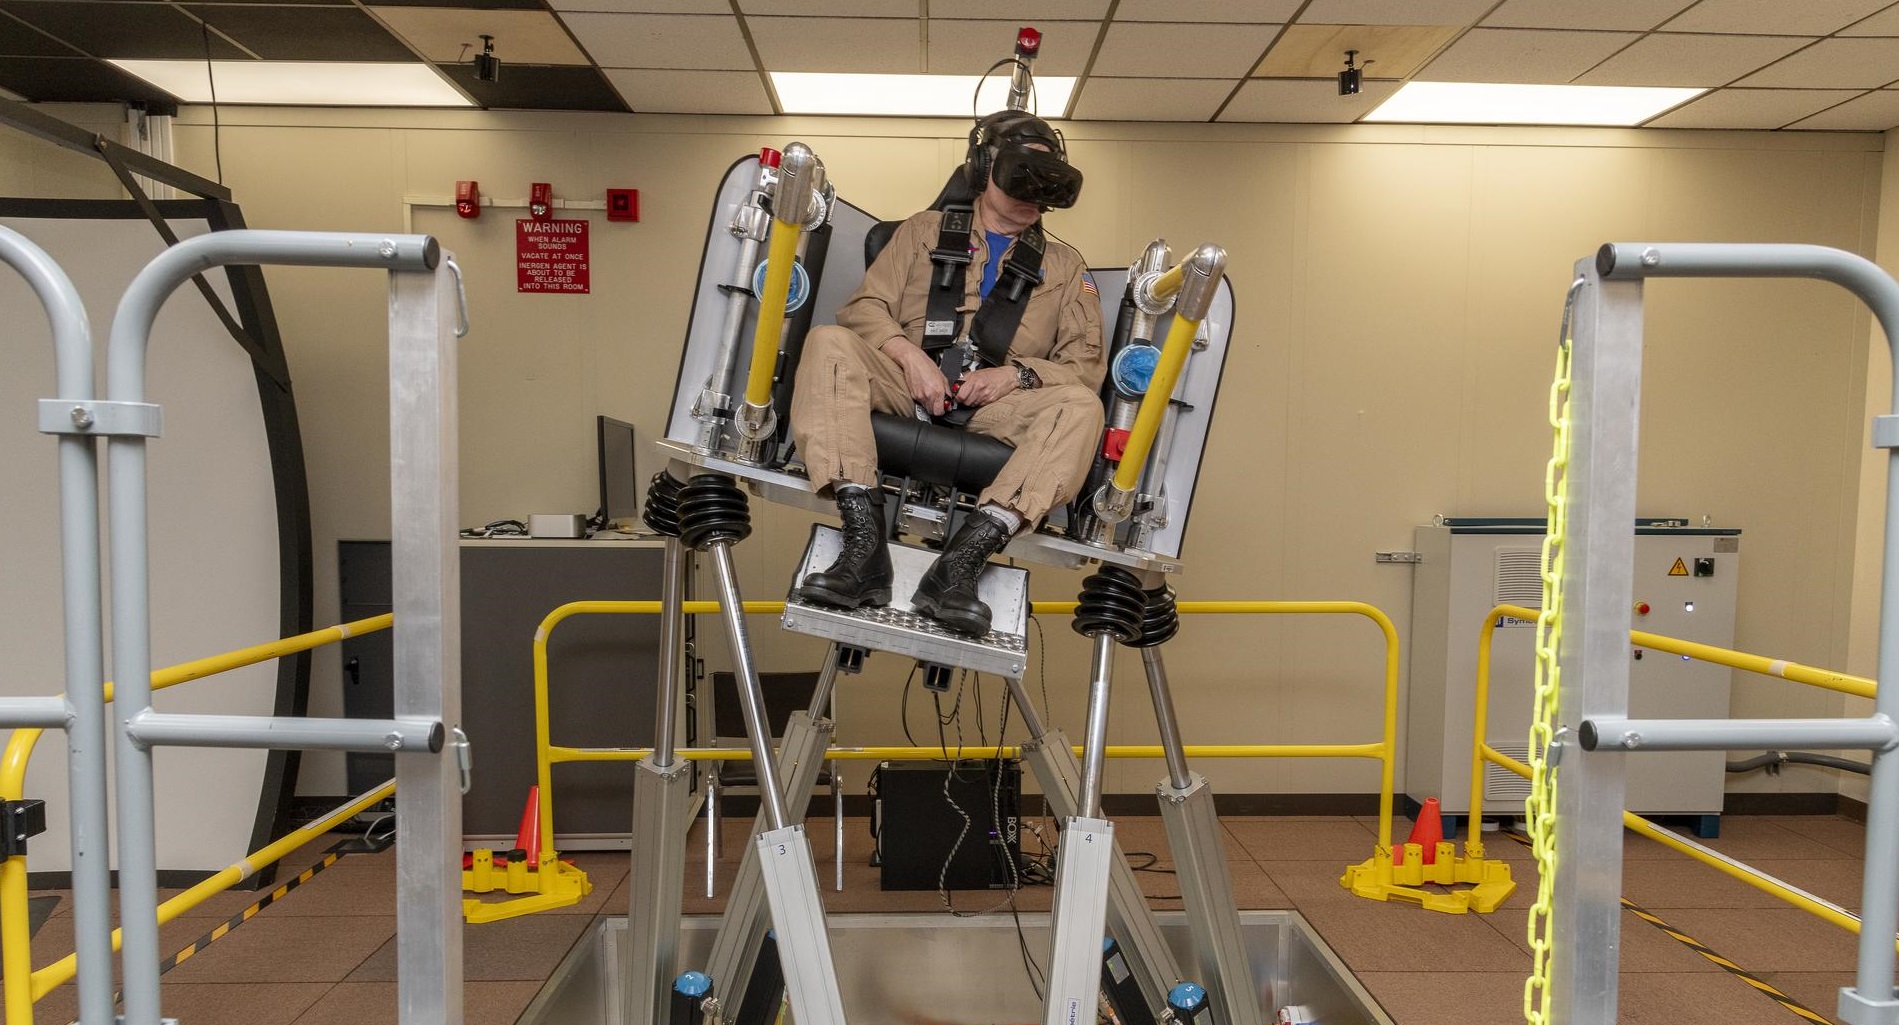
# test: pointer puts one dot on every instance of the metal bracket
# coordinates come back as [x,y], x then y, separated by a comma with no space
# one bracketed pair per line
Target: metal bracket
[101,417]
[20,821]
[1886,431]
[464,757]
[1398,556]
[1858,1010]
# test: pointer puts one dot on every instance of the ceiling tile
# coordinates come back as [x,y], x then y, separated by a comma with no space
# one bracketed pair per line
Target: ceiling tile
[1874,112]
[643,6]
[1523,55]
[834,8]
[691,92]
[525,87]
[1833,64]
[18,40]
[1885,23]
[130,30]
[1318,51]
[1773,17]
[1155,50]
[449,35]
[704,42]
[1238,12]
[305,33]
[1286,99]
[1671,59]
[1751,108]
[76,80]
[860,45]
[1150,99]
[1022,12]
[969,47]
[1611,15]
[1395,12]
[524,5]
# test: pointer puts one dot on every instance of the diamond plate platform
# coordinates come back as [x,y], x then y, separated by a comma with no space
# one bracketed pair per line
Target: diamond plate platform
[896,628]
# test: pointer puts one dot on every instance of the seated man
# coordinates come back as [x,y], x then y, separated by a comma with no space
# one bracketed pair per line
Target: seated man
[1027,360]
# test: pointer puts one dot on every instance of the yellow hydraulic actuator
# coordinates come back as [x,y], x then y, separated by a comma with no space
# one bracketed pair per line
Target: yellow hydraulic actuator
[800,177]
[1196,279]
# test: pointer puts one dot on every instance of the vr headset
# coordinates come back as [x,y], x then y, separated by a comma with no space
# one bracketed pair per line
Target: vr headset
[1035,176]
[1022,171]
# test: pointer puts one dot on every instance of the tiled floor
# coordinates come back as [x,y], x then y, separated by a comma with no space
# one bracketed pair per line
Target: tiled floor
[324,954]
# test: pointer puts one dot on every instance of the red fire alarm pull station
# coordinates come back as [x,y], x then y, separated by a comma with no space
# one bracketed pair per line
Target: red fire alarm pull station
[468,199]
[623,204]
[540,200]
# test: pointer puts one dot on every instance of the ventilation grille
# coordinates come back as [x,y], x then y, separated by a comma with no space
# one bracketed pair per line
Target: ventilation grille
[1520,577]
[1502,786]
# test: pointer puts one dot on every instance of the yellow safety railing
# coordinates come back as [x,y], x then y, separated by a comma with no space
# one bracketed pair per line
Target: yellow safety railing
[1385,749]
[22,985]
[1482,752]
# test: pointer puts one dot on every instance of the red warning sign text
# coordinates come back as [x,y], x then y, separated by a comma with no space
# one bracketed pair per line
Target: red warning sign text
[551,256]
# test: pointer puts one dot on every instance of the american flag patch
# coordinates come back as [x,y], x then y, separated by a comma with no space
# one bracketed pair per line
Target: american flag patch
[1088,284]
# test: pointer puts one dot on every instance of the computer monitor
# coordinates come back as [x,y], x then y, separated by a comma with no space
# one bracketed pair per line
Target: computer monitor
[619,480]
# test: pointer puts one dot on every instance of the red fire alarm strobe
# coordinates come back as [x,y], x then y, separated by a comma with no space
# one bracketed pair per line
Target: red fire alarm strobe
[623,204]
[468,199]
[540,200]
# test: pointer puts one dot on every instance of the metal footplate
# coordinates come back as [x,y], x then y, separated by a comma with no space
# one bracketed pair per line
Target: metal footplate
[895,628]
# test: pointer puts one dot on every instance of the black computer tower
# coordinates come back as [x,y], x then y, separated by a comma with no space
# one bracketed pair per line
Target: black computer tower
[920,813]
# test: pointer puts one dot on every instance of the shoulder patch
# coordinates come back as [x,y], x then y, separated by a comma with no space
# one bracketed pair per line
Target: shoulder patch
[1088,284]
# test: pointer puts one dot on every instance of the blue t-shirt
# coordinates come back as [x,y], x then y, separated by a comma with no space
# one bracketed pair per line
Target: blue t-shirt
[997,243]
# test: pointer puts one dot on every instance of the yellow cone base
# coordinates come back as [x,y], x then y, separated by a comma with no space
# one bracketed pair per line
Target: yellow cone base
[1379,879]
[555,884]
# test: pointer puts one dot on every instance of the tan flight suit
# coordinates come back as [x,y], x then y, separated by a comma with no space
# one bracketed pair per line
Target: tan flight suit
[1056,428]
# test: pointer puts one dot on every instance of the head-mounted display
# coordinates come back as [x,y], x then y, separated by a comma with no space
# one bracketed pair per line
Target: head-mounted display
[1025,158]
[1035,176]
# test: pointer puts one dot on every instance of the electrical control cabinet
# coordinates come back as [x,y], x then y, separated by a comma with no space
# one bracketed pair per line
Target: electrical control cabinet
[1684,587]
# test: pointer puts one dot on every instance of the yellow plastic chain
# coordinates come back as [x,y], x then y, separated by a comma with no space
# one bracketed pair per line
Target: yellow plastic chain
[1540,807]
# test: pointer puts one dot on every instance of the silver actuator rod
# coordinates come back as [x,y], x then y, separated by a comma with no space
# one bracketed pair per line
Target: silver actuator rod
[751,701]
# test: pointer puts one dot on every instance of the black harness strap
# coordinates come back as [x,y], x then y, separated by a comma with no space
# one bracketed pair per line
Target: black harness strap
[1000,315]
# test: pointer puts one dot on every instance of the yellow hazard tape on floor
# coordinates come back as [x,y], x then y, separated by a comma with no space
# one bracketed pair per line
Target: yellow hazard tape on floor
[1765,988]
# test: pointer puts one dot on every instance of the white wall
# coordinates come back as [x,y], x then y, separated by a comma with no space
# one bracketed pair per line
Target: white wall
[1398,294]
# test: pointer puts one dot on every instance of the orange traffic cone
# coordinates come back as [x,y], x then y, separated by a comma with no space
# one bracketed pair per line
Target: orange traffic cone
[1428,831]
[528,837]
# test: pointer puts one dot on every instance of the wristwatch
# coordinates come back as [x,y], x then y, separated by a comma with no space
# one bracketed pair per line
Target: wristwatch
[1026,378]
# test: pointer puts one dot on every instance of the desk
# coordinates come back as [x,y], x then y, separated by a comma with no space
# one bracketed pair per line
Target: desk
[602,678]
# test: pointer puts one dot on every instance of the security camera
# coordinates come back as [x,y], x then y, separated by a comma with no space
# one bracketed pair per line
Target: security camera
[1352,78]
[487,65]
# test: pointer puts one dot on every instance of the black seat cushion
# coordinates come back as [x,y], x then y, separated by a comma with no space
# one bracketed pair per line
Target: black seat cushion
[908,447]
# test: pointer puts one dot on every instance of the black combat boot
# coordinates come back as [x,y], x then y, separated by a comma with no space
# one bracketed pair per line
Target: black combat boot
[861,575]
[947,592]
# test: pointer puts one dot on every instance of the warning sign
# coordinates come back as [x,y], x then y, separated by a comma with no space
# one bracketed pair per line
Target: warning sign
[551,256]
[1679,569]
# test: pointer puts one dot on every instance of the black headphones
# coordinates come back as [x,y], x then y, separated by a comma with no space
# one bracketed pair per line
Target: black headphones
[991,131]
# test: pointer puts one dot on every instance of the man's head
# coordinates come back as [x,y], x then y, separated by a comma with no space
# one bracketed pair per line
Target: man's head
[1022,156]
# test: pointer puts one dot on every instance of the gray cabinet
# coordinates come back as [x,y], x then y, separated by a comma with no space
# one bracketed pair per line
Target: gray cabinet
[601,671]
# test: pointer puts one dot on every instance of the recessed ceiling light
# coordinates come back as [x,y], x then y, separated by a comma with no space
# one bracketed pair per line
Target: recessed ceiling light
[802,92]
[301,83]
[1478,103]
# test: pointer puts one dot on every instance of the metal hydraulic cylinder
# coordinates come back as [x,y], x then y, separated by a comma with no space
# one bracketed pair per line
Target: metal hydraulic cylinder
[1194,838]
[742,927]
[1083,874]
[1206,891]
[1130,920]
[804,946]
[650,953]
